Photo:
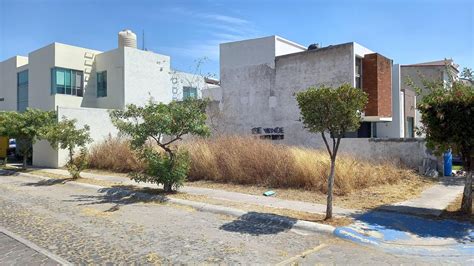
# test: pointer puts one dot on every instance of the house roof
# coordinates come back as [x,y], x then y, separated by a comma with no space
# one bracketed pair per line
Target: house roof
[449,62]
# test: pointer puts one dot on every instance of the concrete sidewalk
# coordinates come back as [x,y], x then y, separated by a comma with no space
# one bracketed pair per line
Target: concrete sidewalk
[431,201]
[223,195]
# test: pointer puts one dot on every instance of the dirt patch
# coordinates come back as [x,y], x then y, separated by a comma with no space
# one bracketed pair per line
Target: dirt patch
[306,216]
[363,199]
[453,212]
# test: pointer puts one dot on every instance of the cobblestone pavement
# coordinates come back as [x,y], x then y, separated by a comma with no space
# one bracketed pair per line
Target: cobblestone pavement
[13,252]
[83,225]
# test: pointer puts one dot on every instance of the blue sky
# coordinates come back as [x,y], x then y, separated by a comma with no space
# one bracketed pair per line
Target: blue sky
[405,31]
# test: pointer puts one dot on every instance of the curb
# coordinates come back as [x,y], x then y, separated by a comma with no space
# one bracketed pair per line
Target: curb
[35,247]
[206,207]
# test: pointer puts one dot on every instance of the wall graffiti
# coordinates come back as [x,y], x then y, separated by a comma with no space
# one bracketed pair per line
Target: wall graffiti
[273,133]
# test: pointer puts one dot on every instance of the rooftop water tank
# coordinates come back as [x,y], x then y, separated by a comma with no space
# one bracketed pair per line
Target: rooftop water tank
[126,38]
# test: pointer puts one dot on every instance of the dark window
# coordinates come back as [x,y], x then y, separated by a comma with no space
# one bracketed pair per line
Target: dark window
[189,92]
[66,81]
[366,130]
[22,91]
[358,72]
[102,84]
[410,127]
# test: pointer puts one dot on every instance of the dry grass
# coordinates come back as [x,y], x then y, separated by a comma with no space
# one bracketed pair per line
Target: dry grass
[453,211]
[245,160]
[250,161]
[114,154]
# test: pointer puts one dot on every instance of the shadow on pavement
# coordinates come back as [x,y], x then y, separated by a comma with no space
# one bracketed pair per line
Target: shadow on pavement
[49,182]
[391,223]
[120,195]
[452,180]
[255,223]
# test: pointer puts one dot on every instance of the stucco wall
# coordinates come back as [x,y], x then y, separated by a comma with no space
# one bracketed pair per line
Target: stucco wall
[100,128]
[112,62]
[146,74]
[407,152]
[39,74]
[247,53]
[8,81]
[330,66]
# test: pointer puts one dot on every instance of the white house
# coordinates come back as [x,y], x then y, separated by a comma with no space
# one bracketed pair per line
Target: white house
[83,83]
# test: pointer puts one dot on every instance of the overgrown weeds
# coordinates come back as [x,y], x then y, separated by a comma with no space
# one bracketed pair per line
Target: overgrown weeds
[246,160]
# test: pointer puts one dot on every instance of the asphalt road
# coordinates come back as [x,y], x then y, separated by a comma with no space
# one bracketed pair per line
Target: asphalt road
[83,225]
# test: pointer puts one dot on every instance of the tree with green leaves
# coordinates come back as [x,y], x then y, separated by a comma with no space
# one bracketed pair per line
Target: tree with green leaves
[447,115]
[467,73]
[26,127]
[161,125]
[333,110]
[65,135]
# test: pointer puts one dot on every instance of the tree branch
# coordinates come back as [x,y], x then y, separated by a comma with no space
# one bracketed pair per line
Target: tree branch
[326,142]
[178,137]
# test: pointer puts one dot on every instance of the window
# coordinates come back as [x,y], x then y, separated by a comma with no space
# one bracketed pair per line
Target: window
[410,127]
[189,92]
[102,84]
[22,91]
[67,81]
[358,73]
[366,130]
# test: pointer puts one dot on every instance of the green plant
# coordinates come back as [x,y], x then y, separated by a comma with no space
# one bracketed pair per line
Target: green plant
[162,125]
[65,135]
[447,115]
[333,110]
[78,164]
[160,168]
[26,127]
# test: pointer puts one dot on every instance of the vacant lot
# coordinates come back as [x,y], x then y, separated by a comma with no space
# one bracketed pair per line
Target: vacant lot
[253,166]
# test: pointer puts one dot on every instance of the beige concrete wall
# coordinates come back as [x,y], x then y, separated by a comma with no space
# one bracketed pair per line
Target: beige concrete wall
[39,91]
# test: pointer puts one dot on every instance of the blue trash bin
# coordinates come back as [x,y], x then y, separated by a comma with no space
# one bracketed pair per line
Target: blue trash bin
[448,163]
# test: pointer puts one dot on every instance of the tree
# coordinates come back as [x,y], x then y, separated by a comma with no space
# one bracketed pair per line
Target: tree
[26,127]
[162,125]
[336,111]
[447,115]
[65,135]
[467,73]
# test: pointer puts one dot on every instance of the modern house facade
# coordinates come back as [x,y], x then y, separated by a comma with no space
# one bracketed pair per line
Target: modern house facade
[259,78]
[83,83]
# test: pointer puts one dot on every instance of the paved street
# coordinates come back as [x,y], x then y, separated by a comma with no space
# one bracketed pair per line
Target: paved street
[13,252]
[83,225]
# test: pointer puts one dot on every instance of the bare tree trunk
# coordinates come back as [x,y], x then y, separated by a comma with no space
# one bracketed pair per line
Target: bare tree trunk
[167,187]
[330,189]
[25,161]
[466,205]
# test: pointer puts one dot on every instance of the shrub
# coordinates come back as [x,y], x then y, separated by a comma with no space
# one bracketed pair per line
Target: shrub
[78,164]
[163,125]
[160,169]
